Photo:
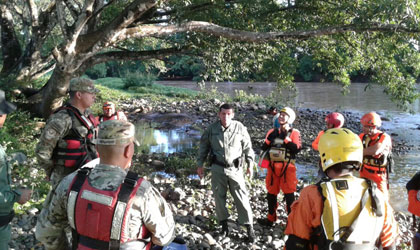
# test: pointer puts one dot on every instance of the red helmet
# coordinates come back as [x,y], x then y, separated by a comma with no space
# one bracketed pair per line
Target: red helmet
[336,119]
[371,119]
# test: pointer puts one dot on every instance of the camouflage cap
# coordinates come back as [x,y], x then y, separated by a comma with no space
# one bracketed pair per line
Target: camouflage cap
[116,132]
[83,85]
[5,106]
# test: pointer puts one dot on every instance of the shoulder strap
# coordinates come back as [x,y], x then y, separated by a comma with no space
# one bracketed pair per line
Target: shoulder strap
[76,113]
[127,187]
[74,191]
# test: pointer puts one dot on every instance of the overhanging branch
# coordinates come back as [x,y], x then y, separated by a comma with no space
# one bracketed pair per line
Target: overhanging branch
[257,37]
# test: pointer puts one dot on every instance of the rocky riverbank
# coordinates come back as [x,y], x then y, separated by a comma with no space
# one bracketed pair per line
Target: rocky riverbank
[191,200]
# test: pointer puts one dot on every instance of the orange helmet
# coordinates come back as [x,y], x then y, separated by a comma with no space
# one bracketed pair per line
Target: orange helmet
[336,119]
[108,105]
[371,119]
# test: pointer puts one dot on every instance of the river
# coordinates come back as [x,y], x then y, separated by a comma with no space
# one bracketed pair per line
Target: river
[327,96]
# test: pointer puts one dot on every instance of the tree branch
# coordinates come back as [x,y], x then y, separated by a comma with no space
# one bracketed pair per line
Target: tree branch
[10,45]
[105,36]
[256,37]
[33,10]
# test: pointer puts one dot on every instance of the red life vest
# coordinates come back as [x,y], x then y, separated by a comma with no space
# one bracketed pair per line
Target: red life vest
[79,150]
[115,116]
[98,217]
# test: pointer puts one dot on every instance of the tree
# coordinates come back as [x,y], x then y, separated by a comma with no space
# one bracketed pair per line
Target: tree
[234,38]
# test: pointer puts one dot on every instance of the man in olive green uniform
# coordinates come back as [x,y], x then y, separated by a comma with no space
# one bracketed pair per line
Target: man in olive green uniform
[228,144]
[8,196]
[145,218]
[66,142]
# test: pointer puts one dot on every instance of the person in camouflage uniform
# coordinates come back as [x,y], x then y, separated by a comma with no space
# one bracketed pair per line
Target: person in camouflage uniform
[66,142]
[148,212]
[229,145]
[8,195]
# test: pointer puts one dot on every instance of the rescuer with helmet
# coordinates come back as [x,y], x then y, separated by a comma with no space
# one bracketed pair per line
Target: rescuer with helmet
[281,146]
[413,189]
[343,211]
[377,147]
[107,207]
[332,120]
[110,113]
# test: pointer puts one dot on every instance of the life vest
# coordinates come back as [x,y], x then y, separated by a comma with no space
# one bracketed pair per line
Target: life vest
[352,216]
[79,150]
[376,161]
[115,116]
[100,218]
[278,151]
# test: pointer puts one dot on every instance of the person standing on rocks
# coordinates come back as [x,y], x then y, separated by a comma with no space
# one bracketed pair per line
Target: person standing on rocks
[274,112]
[282,146]
[377,147]
[107,207]
[343,211]
[8,195]
[413,189]
[332,120]
[109,113]
[66,142]
[228,144]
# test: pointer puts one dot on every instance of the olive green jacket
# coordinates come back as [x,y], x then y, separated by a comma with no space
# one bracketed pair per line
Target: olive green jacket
[226,145]
[8,196]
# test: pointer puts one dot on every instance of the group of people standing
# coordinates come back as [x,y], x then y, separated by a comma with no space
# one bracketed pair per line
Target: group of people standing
[341,211]
[110,207]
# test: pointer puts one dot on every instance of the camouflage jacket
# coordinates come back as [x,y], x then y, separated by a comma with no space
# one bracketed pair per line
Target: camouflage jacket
[226,144]
[149,208]
[8,196]
[58,126]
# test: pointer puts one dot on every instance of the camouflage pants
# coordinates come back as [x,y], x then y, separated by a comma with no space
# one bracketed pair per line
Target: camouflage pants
[232,179]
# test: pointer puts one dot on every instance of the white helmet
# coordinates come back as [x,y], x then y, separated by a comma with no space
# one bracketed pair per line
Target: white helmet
[290,113]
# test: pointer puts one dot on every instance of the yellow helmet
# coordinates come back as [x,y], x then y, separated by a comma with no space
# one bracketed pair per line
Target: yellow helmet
[338,145]
[290,113]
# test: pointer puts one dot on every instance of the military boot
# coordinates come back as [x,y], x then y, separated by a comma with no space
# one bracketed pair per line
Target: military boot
[251,234]
[225,228]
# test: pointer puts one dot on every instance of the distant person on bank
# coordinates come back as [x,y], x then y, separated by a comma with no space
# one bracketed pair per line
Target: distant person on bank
[110,113]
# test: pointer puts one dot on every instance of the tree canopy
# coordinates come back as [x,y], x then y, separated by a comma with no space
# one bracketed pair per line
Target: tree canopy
[235,38]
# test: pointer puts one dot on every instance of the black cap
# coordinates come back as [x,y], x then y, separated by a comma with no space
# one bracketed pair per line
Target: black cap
[5,106]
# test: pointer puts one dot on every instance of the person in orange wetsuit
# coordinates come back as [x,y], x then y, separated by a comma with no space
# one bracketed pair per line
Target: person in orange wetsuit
[332,120]
[281,145]
[413,189]
[377,146]
[343,211]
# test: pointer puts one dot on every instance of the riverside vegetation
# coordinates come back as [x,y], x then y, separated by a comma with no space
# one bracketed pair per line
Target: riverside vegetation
[190,199]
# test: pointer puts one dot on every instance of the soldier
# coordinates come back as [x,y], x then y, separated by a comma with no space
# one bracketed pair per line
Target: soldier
[228,144]
[343,211]
[66,142]
[8,195]
[106,207]
[109,113]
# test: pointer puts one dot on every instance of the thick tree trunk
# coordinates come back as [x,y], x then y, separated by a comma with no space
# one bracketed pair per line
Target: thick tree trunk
[52,94]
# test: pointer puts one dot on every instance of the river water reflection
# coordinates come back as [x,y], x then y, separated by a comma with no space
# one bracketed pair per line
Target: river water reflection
[322,96]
